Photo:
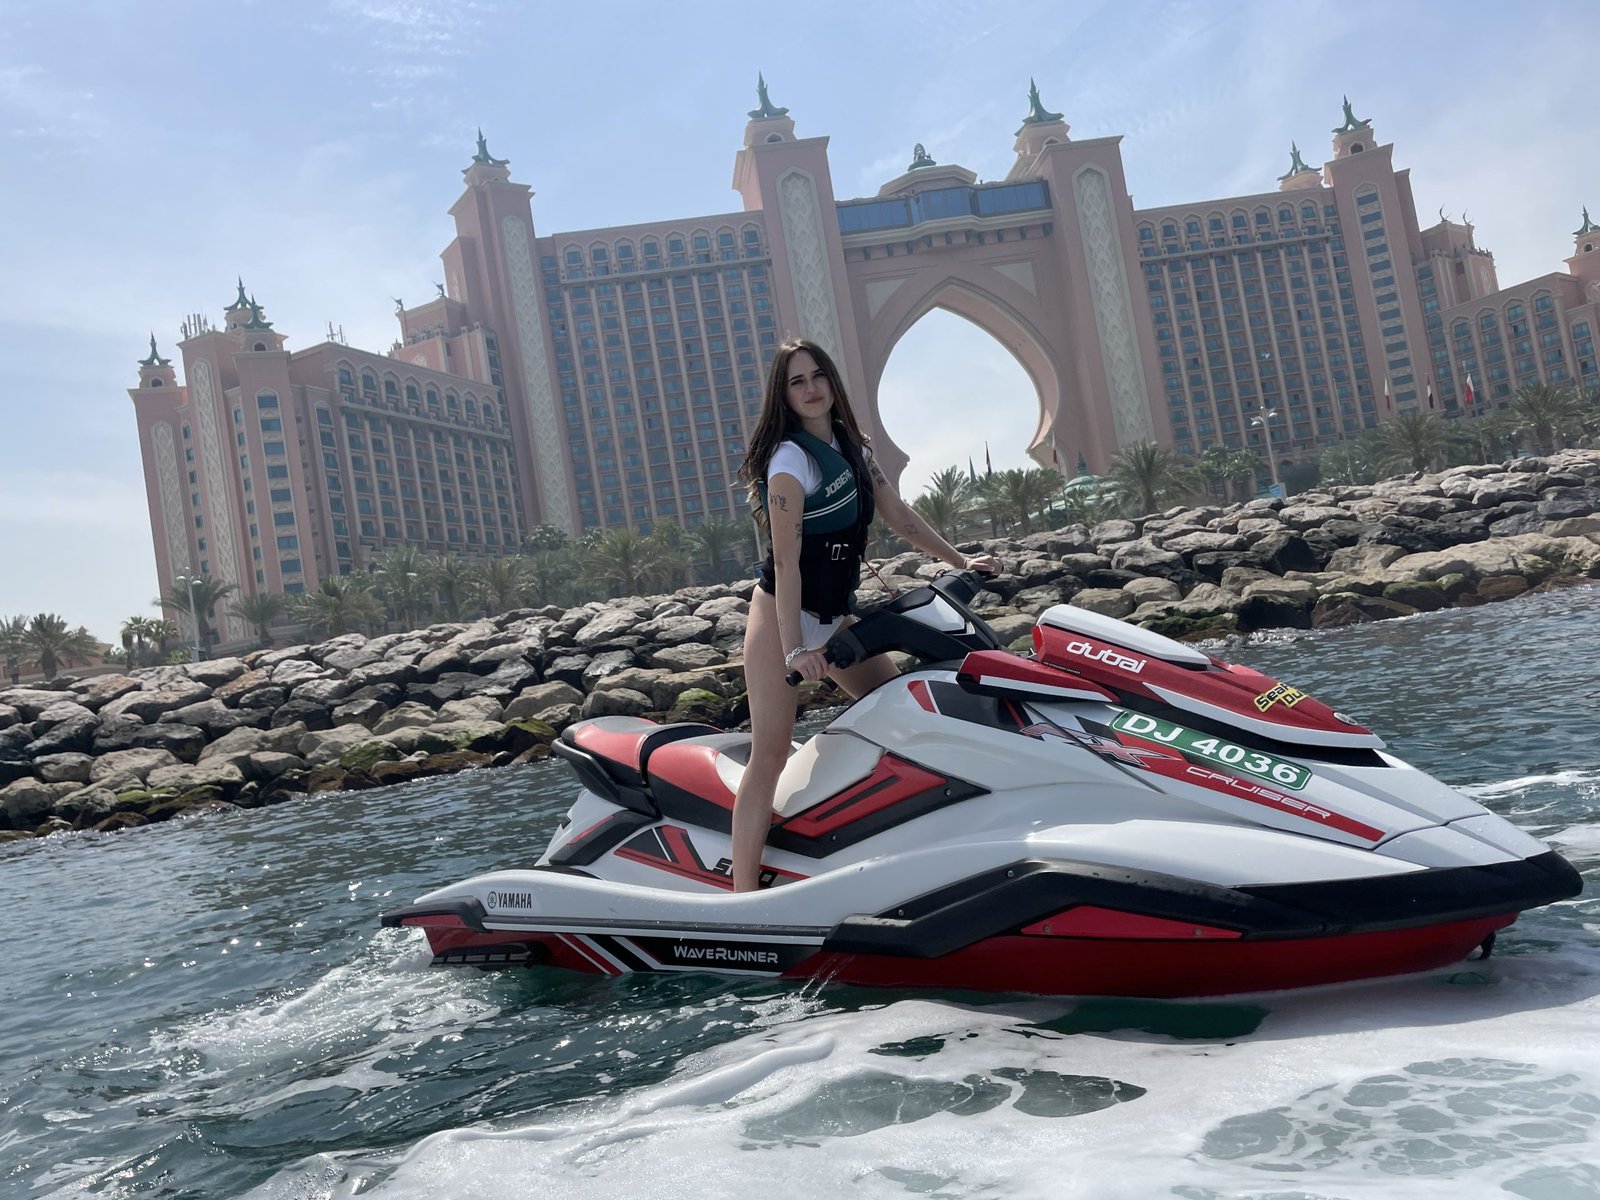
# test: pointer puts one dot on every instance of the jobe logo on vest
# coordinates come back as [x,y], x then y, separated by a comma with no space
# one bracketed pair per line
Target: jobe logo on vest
[1108,655]
[836,484]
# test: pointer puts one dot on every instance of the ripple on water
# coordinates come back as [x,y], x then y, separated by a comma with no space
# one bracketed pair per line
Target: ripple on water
[1430,1118]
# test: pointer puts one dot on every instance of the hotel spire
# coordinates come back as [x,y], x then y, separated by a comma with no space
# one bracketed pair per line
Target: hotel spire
[1355,135]
[155,359]
[1299,175]
[485,166]
[1040,130]
[765,110]
[1037,113]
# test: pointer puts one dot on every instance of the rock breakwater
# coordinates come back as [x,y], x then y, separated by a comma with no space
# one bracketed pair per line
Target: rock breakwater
[117,751]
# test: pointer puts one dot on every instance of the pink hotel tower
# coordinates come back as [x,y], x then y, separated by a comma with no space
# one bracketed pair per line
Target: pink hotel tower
[609,378]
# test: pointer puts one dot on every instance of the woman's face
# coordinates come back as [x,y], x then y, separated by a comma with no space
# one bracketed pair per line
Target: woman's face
[807,390]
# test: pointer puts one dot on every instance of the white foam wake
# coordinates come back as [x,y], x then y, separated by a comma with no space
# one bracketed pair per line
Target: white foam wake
[1477,1082]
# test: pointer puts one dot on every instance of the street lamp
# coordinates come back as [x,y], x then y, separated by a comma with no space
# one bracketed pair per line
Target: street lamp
[194,614]
[1264,422]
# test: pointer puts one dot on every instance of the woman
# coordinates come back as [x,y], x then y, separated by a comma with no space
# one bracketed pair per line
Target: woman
[815,486]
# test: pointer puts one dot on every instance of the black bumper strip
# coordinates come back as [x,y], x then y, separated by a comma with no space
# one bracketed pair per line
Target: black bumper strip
[1005,900]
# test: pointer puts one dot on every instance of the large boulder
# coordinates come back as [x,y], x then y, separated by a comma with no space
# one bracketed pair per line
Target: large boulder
[326,746]
[183,741]
[122,770]
[472,708]
[150,705]
[76,733]
[434,764]
[673,630]
[1108,602]
[215,672]
[688,656]
[606,628]
[607,662]
[68,767]
[533,700]
[30,702]
[214,717]
[242,684]
[102,689]
[309,713]
[26,802]
[407,715]
[59,714]
[245,742]
[616,702]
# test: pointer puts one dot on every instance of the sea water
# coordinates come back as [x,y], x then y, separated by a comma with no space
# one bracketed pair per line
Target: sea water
[207,1008]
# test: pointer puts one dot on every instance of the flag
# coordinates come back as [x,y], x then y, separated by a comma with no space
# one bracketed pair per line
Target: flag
[1055,459]
[1388,400]
[972,473]
[1469,396]
[988,467]
[1430,391]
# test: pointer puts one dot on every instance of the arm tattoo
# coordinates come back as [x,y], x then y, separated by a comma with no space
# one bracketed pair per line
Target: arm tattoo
[876,472]
[782,502]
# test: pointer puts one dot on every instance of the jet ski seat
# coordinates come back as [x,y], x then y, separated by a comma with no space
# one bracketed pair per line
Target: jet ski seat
[612,754]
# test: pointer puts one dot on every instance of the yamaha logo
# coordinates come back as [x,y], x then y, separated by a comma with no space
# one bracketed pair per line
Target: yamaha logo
[508,900]
[1108,655]
[493,900]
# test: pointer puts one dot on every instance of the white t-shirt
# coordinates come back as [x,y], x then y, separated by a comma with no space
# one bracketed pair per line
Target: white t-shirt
[790,459]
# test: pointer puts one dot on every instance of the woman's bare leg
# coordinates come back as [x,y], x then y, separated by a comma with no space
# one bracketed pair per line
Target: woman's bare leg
[772,709]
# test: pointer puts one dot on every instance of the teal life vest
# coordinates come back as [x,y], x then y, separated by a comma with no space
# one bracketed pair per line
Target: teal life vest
[833,528]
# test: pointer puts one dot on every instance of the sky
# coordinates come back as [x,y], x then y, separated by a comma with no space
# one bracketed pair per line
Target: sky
[152,153]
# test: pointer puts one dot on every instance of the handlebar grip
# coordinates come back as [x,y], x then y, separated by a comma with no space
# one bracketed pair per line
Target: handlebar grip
[795,679]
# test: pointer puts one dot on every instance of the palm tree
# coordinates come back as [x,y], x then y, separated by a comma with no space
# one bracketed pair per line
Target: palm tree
[340,604]
[1408,441]
[138,637]
[946,501]
[451,580]
[675,549]
[622,562]
[163,633]
[989,493]
[550,575]
[502,583]
[52,645]
[260,610]
[1348,462]
[1216,468]
[206,592]
[1547,413]
[544,537]
[1148,476]
[402,573]
[14,644]
[1030,492]
[718,539]
[1224,467]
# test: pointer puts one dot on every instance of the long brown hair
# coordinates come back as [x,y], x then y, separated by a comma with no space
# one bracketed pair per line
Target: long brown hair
[778,423]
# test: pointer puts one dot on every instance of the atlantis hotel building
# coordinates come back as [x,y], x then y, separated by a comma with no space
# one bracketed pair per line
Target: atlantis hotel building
[609,378]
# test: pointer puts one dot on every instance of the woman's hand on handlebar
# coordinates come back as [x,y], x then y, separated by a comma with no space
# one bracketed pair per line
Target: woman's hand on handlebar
[984,564]
[812,665]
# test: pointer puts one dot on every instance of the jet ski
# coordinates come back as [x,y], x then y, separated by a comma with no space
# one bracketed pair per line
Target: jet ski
[1116,813]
